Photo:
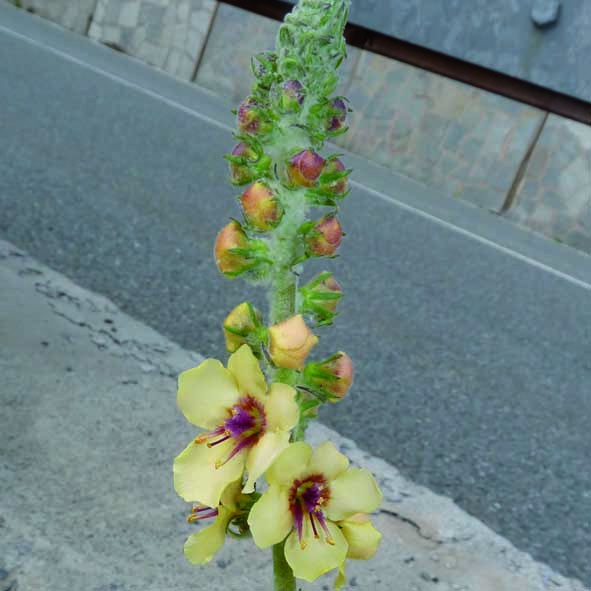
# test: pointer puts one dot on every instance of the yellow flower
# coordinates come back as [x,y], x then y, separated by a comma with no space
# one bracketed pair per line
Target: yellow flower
[247,427]
[310,494]
[201,547]
[363,540]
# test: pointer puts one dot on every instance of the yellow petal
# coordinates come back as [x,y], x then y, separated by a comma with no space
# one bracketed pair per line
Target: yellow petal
[247,372]
[196,478]
[201,547]
[206,392]
[329,461]
[231,494]
[363,538]
[340,580]
[261,456]
[270,519]
[291,464]
[354,491]
[318,557]
[281,408]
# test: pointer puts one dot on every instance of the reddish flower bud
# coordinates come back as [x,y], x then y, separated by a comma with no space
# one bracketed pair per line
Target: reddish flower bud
[235,253]
[242,173]
[231,237]
[332,377]
[261,208]
[325,236]
[292,95]
[337,186]
[321,295]
[339,115]
[305,167]
[290,342]
[250,119]
[241,324]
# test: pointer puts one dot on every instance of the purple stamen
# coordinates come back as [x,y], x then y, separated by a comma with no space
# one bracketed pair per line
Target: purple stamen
[322,522]
[246,425]
[225,438]
[308,496]
[205,436]
[311,516]
[298,517]
[209,514]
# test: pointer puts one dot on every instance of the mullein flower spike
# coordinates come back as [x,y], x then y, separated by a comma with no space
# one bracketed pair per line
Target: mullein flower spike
[314,508]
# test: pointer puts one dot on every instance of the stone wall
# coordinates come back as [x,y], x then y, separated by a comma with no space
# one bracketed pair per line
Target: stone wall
[75,15]
[168,34]
[554,196]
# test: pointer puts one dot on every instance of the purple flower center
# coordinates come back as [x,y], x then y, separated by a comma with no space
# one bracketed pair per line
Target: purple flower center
[245,425]
[306,499]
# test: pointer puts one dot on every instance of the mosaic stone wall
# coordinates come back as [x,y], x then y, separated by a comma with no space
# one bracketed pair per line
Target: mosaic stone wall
[554,197]
[236,35]
[168,34]
[456,138]
[73,14]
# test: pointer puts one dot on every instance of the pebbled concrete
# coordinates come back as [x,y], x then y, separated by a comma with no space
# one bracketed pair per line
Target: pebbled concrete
[87,437]
[473,363]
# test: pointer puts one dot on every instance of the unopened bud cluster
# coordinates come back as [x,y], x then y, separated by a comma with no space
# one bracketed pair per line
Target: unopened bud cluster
[282,126]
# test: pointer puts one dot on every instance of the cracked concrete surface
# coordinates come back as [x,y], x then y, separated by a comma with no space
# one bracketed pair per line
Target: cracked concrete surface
[88,432]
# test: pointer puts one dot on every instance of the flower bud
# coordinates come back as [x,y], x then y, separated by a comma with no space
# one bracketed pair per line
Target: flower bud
[292,95]
[320,298]
[337,119]
[290,342]
[235,253]
[332,377]
[242,173]
[336,181]
[324,237]
[305,167]
[241,325]
[261,208]
[250,119]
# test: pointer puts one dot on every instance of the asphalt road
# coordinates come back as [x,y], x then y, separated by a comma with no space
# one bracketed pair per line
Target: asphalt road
[473,364]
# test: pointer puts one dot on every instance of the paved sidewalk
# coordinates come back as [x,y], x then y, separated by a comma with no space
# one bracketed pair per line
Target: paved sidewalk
[87,436]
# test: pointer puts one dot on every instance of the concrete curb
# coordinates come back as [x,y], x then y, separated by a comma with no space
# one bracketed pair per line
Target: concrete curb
[89,438]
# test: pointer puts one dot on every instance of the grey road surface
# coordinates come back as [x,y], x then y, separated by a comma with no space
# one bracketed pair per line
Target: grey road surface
[474,363]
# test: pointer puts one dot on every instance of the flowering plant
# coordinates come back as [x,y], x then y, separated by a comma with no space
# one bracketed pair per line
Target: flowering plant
[313,509]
